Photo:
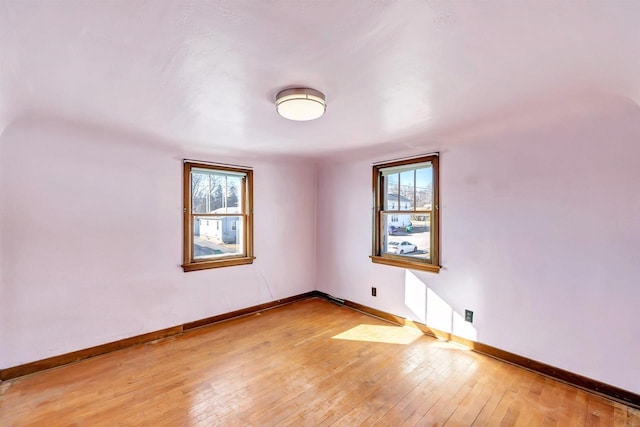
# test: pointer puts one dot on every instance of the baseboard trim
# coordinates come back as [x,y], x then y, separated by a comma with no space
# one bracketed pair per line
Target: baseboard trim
[611,392]
[585,383]
[249,310]
[75,356]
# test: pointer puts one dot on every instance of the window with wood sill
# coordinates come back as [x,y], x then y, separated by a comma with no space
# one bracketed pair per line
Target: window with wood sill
[218,216]
[406,213]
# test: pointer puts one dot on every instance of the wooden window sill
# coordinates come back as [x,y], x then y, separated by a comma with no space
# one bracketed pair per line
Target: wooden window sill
[413,265]
[225,262]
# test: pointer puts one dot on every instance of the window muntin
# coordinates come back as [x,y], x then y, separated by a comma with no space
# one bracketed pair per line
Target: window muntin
[218,224]
[406,228]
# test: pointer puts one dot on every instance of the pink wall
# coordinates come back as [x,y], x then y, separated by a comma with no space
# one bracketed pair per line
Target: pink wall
[540,226]
[540,238]
[91,226]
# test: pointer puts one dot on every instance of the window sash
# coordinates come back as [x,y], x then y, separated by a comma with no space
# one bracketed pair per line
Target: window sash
[217,228]
[208,194]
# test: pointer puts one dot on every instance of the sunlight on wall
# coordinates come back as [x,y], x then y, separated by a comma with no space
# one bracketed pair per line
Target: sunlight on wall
[463,329]
[434,311]
[382,334]
[439,313]
[415,295]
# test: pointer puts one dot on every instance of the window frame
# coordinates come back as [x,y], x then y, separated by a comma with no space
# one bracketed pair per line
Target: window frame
[378,192]
[246,202]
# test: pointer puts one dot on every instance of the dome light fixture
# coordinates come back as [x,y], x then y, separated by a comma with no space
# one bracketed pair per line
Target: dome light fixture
[301,104]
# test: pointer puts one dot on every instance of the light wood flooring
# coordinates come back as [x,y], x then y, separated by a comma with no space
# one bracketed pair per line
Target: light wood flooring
[310,363]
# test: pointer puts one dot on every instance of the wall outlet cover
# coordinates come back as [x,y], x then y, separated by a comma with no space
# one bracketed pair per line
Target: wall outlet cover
[468,316]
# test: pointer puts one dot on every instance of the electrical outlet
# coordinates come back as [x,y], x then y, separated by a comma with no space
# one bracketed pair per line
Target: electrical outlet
[374,291]
[468,316]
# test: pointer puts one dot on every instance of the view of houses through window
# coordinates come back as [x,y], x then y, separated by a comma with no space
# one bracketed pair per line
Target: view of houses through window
[215,193]
[411,191]
[218,224]
[405,221]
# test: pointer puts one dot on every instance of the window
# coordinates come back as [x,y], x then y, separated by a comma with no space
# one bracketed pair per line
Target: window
[405,219]
[224,196]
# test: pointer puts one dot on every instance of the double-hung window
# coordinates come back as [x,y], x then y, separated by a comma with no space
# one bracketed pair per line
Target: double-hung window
[218,216]
[406,214]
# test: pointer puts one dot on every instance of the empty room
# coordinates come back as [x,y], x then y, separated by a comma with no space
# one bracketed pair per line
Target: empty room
[319,212]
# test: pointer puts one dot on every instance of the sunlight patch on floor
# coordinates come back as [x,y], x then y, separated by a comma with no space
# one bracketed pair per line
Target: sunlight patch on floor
[380,333]
[450,345]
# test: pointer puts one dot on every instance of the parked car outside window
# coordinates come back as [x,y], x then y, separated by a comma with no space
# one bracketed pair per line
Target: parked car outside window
[401,247]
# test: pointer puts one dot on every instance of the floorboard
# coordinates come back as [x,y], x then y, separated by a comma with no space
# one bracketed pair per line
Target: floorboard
[310,363]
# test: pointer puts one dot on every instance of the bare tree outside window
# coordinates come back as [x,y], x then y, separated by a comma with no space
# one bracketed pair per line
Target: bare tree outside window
[218,220]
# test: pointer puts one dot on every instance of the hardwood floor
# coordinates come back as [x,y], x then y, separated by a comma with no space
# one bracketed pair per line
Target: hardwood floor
[305,364]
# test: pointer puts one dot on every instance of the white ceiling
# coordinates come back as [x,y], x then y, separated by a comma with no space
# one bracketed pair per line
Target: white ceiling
[203,74]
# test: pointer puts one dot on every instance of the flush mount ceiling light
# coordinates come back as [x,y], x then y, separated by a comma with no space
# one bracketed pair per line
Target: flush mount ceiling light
[301,104]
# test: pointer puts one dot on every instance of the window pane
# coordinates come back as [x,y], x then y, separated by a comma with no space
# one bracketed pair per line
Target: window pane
[232,195]
[199,192]
[424,188]
[407,235]
[406,190]
[215,193]
[391,195]
[206,192]
[217,236]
